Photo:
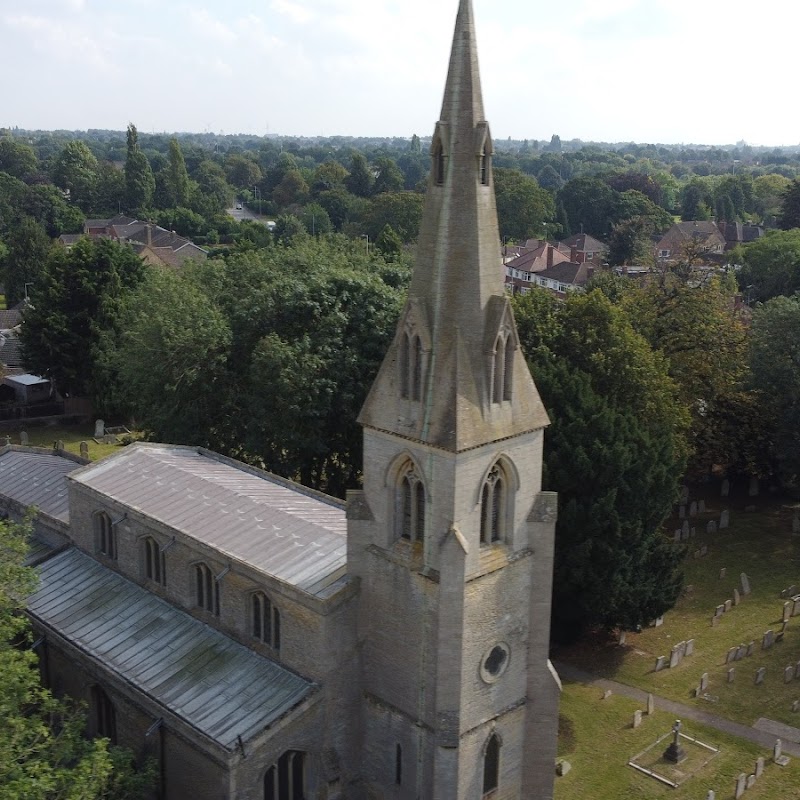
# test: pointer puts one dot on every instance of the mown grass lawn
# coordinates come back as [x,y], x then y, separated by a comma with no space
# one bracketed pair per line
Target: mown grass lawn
[597,738]
[70,435]
[760,543]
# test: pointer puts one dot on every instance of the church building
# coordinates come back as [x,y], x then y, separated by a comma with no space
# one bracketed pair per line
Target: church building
[263,641]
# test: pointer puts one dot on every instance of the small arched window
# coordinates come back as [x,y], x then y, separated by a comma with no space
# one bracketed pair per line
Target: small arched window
[494,505]
[265,620]
[398,765]
[206,588]
[285,780]
[491,765]
[154,566]
[416,376]
[105,535]
[503,369]
[411,366]
[484,167]
[438,164]
[508,369]
[405,365]
[411,504]
[105,720]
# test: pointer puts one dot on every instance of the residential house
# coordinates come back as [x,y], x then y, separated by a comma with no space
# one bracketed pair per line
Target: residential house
[582,247]
[704,235]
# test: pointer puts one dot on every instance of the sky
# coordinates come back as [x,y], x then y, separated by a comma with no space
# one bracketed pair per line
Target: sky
[657,71]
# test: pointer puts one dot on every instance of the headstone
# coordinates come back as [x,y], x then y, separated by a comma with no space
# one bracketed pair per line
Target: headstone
[777,754]
[731,657]
[661,663]
[607,693]
[751,781]
[675,753]
[768,640]
[711,526]
[99,429]
[701,506]
[722,573]
[759,766]
[675,656]
[728,605]
[637,718]
[59,445]
[659,621]
[684,495]
[681,512]
[692,533]
[760,673]
[704,682]
[563,767]
[720,610]
[697,554]
[731,674]
[796,524]
[711,795]
[84,450]
[796,705]
[714,621]
[622,638]
[750,648]
[689,647]
[788,674]
[741,652]
[651,704]
[741,783]
[787,611]
[745,583]
[23,438]
[109,438]
[753,488]
[725,489]
[737,598]
[797,670]
[796,609]
[693,509]
[677,536]
[685,529]
[724,519]
[704,551]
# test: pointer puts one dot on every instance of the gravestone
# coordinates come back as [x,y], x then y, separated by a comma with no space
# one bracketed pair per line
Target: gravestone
[788,673]
[697,554]
[693,509]
[563,767]
[704,682]
[99,429]
[731,657]
[684,495]
[768,640]
[701,506]
[787,611]
[720,610]
[777,754]
[23,438]
[796,524]
[751,781]
[685,529]
[622,638]
[728,605]
[681,512]
[796,609]
[659,621]
[711,795]
[723,572]
[711,526]
[797,670]
[677,536]
[675,753]
[759,766]
[752,490]
[741,783]
[689,647]
[714,621]
[760,673]
[750,648]
[741,652]
[725,489]
[651,704]
[745,583]
[704,551]
[637,718]
[661,663]
[724,519]
[607,693]
[737,598]
[692,533]
[675,656]
[796,705]
[84,450]
[731,674]
[8,441]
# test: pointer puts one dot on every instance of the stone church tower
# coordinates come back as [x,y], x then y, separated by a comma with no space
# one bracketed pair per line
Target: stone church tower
[452,537]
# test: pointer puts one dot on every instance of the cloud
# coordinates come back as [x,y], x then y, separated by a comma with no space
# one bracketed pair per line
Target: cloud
[210,27]
[298,14]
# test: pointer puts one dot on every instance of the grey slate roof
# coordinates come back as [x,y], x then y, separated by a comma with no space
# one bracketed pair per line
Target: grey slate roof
[10,318]
[286,531]
[216,685]
[36,479]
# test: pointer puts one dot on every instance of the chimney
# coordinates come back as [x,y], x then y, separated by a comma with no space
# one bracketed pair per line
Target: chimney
[149,234]
[573,255]
[549,256]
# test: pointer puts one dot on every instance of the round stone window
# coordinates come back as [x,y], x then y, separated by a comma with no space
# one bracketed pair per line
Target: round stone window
[495,662]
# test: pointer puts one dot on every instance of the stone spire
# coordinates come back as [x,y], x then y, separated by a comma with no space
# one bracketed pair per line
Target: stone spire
[454,377]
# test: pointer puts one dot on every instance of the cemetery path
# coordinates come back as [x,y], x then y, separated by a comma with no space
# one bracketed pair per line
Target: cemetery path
[679,710]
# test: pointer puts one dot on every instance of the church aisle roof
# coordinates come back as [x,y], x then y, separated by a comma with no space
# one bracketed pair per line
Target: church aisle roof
[38,479]
[216,685]
[292,533]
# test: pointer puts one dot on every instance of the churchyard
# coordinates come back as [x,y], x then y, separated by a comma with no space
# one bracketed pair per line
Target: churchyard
[723,650]
[70,435]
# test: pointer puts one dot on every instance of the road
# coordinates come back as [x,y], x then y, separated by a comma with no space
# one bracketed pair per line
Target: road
[244,213]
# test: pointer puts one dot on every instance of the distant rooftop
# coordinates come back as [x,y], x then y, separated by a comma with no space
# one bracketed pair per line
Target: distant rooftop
[216,685]
[295,535]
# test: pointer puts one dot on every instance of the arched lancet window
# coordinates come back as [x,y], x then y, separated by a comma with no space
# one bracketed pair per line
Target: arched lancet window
[416,377]
[405,365]
[398,765]
[285,780]
[491,765]
[411,504]
[494,505]
[105,720]
[207,588]
[154,561]
[265,620]
[484,167]
[499,369]
[105,534]
[438,164]
[508,369]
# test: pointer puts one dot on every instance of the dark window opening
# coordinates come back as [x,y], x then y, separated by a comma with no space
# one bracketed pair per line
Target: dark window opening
[266,620]
[405,365]
[484,168]
[104,715]
[106,536]
[398,765]
[438,164]
[286,779]
[411,505]
[154,561]
[491,765]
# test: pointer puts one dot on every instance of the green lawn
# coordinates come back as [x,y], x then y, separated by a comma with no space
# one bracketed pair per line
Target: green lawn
[759,543]
[598,740]
[70,435]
